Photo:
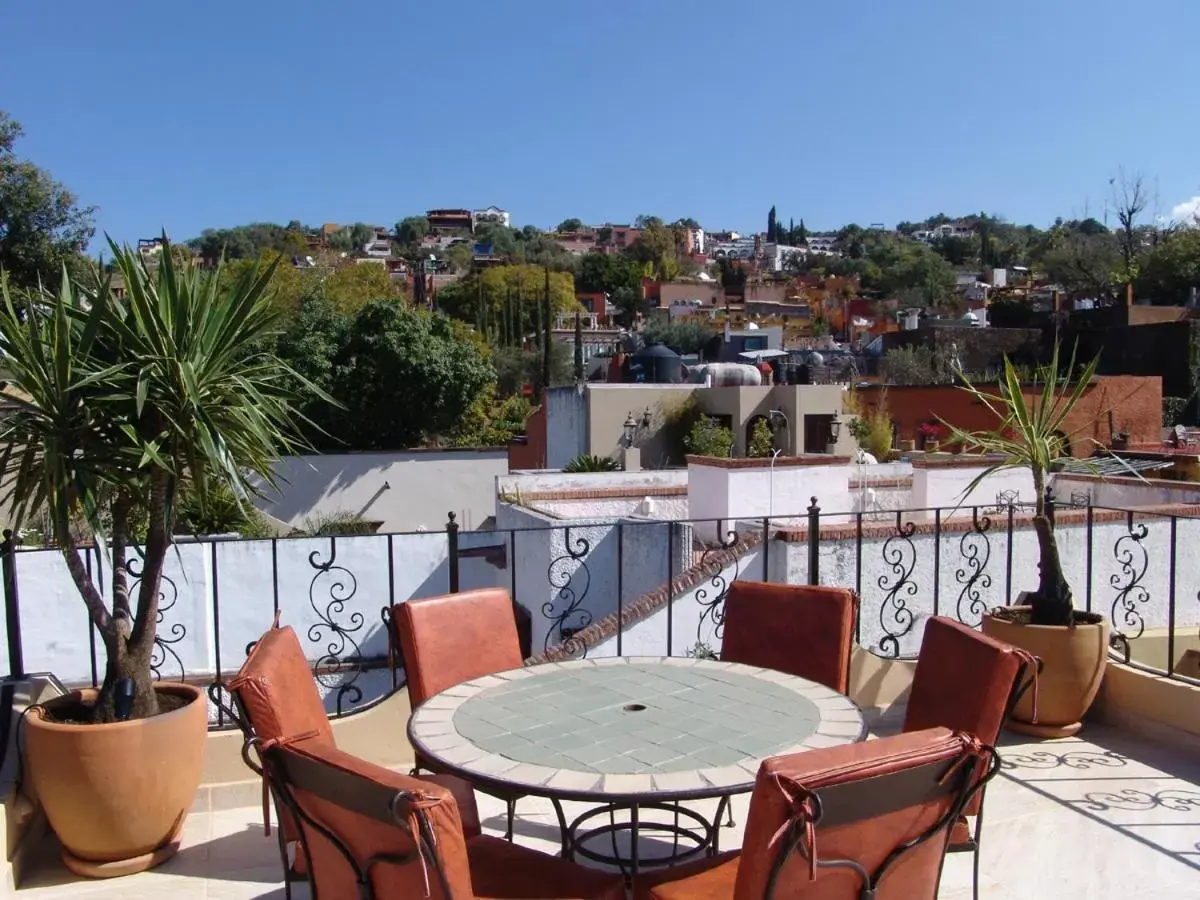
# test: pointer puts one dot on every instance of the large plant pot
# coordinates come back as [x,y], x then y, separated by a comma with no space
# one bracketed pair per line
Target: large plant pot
[116,794]
[1074,661]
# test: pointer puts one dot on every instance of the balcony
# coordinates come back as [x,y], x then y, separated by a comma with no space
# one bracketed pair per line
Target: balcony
[1114,812]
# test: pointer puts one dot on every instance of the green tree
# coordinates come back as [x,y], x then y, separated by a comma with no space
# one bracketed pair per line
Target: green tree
[1085,265]
[409,231]
[1170,271]
[351,286]
[762,439]
[772,227]
[405,376]
[569,225]
[361,234]
[42,225]
[683,336]
[125,398]
[708,437]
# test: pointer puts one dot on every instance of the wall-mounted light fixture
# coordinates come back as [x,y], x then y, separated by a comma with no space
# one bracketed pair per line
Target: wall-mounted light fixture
[835,428]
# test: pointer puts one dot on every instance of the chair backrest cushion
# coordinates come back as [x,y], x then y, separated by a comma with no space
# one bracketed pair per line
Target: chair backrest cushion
[276,690]
[277,695]
[874,797]
[799,629]
[963,681]
[353,799]
[453,638]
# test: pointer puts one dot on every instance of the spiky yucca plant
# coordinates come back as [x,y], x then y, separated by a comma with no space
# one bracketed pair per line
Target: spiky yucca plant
[1030,435]
[123,398]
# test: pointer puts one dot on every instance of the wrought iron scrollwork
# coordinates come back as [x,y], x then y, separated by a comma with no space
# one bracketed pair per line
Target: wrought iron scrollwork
[712,592]
[895,618]
[164,638]
[340,664]
[570,577]
[1131,556]
[976,550]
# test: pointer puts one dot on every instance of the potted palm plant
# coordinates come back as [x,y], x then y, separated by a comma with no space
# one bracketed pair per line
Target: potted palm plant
[1031,434]
[122,399]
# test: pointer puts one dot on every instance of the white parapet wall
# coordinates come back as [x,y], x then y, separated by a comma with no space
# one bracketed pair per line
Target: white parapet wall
[944,481]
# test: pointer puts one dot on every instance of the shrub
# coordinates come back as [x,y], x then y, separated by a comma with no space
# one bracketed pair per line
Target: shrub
[871,427]
[708,437]
[762,439]
[588,463]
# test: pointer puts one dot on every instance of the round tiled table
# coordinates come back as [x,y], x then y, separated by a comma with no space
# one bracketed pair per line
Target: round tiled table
[630,733]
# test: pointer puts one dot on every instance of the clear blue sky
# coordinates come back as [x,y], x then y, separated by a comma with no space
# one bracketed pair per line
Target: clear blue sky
[188,115]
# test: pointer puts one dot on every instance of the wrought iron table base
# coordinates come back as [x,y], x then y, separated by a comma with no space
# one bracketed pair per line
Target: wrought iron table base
[702,835]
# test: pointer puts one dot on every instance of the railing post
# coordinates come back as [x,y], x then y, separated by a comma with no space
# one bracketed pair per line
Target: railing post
[452,545]
[814,543]
[12,605]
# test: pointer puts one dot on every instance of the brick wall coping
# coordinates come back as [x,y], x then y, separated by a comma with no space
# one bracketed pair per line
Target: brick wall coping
[859,483]
[955,461]
[807,459]
[632,492]
[641,607]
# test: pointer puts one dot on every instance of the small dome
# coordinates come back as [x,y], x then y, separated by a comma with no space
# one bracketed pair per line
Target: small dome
[816,359]
[753,326]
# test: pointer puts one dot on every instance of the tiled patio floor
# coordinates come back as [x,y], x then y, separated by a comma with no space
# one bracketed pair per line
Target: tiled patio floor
[1103,816]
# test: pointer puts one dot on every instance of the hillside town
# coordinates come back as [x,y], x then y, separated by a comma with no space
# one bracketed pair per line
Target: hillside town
[474,556]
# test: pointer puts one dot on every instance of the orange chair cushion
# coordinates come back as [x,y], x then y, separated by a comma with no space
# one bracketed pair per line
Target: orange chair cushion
[504,871]
[869,840]
[332,875]
[453,638]
[704,879]
[963,682]
[798,629]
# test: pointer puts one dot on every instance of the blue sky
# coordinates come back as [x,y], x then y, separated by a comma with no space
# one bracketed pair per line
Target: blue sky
[186,115]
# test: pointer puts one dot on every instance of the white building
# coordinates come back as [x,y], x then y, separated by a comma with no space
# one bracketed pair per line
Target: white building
[493,215]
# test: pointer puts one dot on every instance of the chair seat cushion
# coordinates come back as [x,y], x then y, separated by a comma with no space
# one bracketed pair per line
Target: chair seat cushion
[704,879]
[504,871]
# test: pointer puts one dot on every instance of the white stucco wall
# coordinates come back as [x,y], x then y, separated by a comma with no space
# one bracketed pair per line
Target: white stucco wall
[406,491]
[551,481]
[946,487]
[1126,492]
[782,492]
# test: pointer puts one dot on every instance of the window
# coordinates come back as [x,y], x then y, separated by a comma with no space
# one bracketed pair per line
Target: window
[759,342]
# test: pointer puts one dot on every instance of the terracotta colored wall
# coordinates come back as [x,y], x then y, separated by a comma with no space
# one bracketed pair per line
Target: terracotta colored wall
[1135,401]
[530,454]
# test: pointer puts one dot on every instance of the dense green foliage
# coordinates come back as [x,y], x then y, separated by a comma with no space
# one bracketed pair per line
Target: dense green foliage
[42,226]
[708,437]
[404,376]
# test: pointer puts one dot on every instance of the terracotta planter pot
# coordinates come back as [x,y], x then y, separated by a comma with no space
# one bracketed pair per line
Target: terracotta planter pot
[1074,658]
[116,795]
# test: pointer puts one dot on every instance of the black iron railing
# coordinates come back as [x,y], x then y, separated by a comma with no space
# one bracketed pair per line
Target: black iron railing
[637,587]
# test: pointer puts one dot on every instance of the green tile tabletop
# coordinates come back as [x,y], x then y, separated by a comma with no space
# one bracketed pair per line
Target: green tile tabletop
[702,726]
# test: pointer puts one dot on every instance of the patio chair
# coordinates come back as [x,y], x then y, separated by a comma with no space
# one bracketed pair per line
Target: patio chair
[276,698]
[846,823]
[799,629]
[968,682]
[372,833]
[453,638]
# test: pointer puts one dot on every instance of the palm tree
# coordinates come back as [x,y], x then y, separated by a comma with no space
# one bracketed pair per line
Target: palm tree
[124,398]
[1032,434]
